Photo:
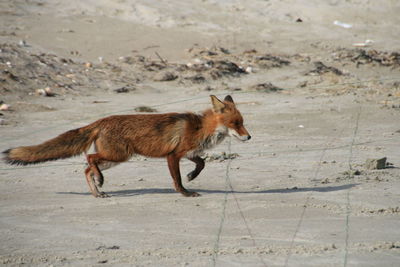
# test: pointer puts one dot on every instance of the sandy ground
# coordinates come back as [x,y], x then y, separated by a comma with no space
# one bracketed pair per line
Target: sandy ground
[297,194]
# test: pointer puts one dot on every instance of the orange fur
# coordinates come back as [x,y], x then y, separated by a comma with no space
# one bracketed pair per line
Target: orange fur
[117,138]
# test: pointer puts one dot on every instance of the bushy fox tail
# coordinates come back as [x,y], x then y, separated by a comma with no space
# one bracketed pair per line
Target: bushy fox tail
[68,144]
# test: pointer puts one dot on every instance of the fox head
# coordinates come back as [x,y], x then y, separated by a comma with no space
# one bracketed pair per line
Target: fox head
[230,117]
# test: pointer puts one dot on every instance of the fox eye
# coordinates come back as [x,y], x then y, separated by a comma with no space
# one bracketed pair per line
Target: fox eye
[237,123]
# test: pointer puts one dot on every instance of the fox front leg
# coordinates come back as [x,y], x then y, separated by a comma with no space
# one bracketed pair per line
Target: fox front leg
[173,165]
[199,167]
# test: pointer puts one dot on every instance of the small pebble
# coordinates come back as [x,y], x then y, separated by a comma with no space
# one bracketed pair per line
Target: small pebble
[4,107]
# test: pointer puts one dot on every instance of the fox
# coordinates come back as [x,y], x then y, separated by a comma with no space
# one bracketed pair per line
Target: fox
[117,138]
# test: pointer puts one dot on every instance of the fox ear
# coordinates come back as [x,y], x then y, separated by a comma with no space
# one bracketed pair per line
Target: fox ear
[228,98]
[218,106]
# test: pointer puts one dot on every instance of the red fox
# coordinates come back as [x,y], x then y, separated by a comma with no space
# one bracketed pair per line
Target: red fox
[117,138]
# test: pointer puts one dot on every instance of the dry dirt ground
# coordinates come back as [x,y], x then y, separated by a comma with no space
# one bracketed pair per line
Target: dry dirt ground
[317,103]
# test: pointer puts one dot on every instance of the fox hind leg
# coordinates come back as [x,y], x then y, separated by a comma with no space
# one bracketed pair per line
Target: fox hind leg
[101,166]
[94,177]
[92,186]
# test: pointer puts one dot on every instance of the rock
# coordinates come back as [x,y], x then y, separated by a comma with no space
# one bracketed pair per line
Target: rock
[104,247]
[145,109]
[271,61]
[198,78]
[45,92]
[220,157]
[321,68]
[22,43]
[165,76]
[302,84]
[222,68]
[124,89]
[351,173]
[375,164]
[224,50]
[4,107]
[239,251]
[362,56]
[266,88]
[325,181]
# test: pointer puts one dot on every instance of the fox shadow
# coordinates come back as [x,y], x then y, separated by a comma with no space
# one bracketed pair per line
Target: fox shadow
[146,191]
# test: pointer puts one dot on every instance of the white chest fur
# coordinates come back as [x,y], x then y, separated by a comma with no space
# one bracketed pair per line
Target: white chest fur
[211,141]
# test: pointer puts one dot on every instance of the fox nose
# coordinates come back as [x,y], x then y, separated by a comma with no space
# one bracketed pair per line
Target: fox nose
[248,137]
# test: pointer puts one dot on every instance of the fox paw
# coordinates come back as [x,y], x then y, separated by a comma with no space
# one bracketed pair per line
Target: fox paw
[191,194]
[102,195]
[191,176]
[98,183]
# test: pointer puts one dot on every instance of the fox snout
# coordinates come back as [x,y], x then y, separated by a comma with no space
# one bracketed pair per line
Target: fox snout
[248,137]
[244,137]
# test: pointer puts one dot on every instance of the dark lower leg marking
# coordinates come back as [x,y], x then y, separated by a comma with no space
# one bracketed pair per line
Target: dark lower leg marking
[199,167]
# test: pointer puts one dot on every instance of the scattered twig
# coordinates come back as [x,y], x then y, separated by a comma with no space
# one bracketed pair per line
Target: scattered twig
[162,60]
